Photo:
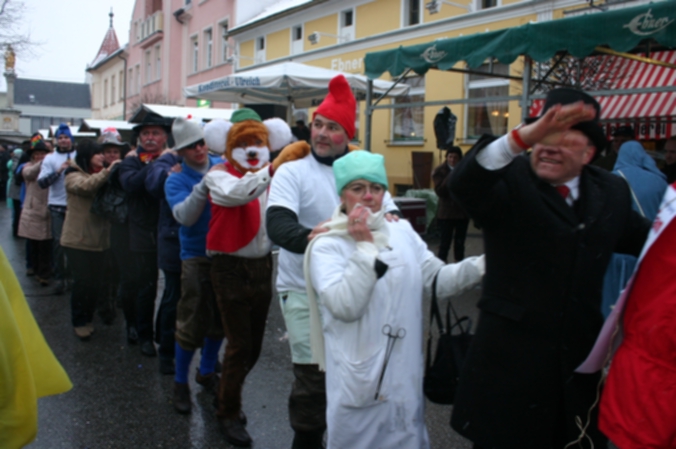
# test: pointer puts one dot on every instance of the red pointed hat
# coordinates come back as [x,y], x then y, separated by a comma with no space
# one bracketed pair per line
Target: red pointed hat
[339,105]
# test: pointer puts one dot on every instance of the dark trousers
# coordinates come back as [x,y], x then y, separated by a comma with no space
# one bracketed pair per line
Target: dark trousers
[447,228]
[86,267]
[165,325]
[197,314]
[243,289]
[16,216]
[41,258]
[58,254]
[123,260]
[307,402]
[145,286]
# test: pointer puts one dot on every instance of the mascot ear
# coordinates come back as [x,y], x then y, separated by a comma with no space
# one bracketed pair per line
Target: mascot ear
[216,133]
[279,133]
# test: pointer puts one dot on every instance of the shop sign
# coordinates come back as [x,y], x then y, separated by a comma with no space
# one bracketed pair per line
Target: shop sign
[646,24]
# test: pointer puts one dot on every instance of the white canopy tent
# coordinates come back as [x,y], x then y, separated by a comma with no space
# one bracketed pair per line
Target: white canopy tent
[169,111]
[287,83]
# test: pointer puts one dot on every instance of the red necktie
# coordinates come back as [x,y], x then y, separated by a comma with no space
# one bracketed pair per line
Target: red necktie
[563,190]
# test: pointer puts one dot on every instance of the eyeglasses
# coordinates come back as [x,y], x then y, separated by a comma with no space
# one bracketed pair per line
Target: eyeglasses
[199,143]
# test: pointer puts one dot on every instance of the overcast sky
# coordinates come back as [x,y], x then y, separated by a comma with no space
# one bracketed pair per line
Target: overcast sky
[69,34]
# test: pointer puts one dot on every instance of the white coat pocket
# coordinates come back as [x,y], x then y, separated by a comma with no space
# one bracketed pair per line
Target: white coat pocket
[359,380]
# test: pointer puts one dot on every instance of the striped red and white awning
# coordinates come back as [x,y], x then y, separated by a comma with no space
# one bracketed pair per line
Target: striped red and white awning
[652,115]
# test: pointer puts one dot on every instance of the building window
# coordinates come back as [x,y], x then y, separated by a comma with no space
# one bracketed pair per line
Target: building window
[297,39]
[194,43]
[112,89]
[485,4]
[209,47]
[137,87]
[260,50]
[121,85]
[158,62]
[489,117]
[346,25]
[105,93]
[224,41]
[149,67]
[412,12]
[408,124]
[130,82]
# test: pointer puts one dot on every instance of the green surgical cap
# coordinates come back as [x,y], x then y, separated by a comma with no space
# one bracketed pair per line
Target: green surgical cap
[245,114]
[359,164]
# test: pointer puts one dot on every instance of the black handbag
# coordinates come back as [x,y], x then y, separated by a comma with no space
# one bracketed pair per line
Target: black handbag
[111,201]
[441,375]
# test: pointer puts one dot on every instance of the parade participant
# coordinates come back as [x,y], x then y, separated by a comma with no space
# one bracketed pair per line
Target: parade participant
[638,406]
[29,368]
[550,224]
[198,320]
[302,196]
[144,210]
[647,185]
[52,176]
[116,288]
[85,235]
[241,268]
[14,189]
[621,135]
[369,276]
[451,218]
[35,223]
[168,258]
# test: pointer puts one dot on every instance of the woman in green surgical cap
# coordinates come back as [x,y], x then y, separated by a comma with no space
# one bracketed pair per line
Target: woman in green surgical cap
[367,278]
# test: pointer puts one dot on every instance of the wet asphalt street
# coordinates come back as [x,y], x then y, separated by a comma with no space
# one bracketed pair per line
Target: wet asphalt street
[120,400]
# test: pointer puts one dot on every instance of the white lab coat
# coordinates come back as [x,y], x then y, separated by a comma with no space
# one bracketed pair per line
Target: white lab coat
[355,306]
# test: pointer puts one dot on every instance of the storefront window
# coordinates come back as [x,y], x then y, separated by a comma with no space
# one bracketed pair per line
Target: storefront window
[408,124]
[488,117]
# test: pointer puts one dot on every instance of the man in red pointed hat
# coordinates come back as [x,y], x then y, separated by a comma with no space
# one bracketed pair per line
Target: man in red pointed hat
[302,197]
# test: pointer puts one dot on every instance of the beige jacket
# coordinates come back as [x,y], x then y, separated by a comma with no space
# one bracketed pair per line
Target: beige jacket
[82,229]
[35,223]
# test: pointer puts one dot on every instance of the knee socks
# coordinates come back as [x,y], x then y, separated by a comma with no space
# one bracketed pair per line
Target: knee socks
[209,355]
[183,359]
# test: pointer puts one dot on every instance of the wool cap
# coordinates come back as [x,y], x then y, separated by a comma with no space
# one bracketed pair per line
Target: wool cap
[245,114]
[63,129]
[37,143]
[339,105]
[359,164]
[186,132]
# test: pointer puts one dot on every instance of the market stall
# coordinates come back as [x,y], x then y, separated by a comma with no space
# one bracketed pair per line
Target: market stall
[626,33]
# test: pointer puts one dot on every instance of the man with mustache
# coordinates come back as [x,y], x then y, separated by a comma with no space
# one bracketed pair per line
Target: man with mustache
[550,225]
[142,175]
[302,197]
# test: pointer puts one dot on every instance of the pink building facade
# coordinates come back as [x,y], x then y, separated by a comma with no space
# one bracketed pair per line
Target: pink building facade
[173,44]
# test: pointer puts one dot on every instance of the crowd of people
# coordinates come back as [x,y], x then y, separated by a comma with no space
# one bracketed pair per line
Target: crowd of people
[561,239]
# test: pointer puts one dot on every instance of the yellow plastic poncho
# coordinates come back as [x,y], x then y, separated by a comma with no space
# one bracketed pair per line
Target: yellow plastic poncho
[28,368]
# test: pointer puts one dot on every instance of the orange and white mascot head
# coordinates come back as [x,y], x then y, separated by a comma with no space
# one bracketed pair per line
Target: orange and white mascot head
[246,141]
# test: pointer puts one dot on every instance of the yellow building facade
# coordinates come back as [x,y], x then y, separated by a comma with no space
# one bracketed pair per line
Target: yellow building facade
[337,34]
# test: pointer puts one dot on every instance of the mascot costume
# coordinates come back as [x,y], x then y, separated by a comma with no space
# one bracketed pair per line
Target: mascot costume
[239,246]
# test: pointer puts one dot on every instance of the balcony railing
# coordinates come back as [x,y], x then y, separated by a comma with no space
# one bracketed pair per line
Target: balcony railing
[150,25]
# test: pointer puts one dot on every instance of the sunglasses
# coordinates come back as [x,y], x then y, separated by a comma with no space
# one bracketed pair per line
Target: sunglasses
[195,145]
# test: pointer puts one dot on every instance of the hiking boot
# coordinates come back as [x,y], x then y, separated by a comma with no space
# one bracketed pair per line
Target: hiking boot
[210,382]
[235,433]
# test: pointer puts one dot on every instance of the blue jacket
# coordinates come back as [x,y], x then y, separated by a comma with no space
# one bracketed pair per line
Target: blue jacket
[177,188]
[168,246]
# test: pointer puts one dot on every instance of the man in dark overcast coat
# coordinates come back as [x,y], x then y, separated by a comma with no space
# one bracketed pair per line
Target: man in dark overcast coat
[550,224]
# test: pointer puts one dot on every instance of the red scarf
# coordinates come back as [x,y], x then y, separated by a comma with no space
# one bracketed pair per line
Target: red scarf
[233,228]
[146,157]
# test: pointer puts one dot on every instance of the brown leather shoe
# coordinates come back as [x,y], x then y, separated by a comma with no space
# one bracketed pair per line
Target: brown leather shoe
[182,402]
[235,433]
[210,382]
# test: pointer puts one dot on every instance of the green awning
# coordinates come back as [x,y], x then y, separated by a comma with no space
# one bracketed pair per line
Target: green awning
[622,30]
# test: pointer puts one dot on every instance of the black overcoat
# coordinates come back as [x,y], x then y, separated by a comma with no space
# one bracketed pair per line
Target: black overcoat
[541,301]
